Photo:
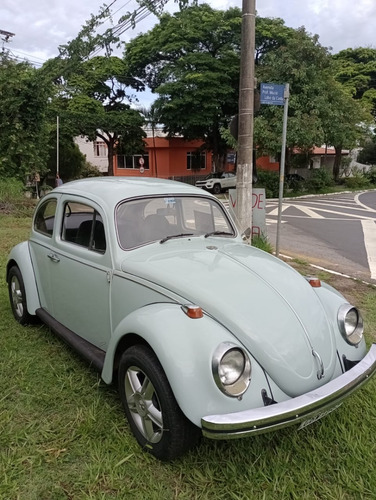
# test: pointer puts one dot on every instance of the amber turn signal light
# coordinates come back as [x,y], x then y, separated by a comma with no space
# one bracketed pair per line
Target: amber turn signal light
[193,312]
[314,282]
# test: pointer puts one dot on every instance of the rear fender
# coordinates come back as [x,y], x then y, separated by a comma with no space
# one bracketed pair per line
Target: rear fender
[20,257]
[185,347]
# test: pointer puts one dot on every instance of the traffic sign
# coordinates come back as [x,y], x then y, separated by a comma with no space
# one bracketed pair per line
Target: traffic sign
[272,93]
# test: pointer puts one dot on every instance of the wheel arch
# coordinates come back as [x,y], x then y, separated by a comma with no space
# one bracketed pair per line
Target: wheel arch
[20,257]
[184,348]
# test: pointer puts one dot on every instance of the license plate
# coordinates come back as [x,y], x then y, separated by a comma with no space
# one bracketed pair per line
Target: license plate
[314,419]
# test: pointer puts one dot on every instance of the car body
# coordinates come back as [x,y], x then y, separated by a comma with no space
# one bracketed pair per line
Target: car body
[218,182]
[151,281]
[294,178]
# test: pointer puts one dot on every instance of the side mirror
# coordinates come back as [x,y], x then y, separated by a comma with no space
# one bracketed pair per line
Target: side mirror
[246,234]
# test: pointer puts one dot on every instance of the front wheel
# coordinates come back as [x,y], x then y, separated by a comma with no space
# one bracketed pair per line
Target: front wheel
[216,188]
[17,296]
[154,416]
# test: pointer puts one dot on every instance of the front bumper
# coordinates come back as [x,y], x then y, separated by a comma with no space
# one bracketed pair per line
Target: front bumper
[303,409]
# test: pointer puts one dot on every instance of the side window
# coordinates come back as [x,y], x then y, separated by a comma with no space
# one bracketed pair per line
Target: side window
[45,218]
[83,226]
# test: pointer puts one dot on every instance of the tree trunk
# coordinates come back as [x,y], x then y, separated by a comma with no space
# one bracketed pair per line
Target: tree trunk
[110,147]
[337,162]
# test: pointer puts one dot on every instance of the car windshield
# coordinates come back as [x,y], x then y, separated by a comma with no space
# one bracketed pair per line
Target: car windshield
[215,175]
[144,221]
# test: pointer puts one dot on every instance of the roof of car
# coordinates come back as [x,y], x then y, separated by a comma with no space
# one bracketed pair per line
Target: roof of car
[114,189]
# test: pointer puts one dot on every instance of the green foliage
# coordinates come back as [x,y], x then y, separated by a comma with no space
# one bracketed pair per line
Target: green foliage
[319,180]
[24,94]
[94,102]
[89,170]
[356,71]
[269,181]
[357,181]
[71,160]
[368,154]
[191,59]
[371,175]
[302,62]
[262,243]
[10,190]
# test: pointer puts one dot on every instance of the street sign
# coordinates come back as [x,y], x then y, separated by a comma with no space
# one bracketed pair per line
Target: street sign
[272,93]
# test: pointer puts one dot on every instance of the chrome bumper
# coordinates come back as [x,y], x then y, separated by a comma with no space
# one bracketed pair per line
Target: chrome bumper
[303,409]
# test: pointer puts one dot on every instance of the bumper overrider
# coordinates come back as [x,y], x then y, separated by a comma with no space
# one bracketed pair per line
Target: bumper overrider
[303,409]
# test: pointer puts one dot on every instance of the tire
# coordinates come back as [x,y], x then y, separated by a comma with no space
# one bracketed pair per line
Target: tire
[217,188]
[153,414]
[17,297]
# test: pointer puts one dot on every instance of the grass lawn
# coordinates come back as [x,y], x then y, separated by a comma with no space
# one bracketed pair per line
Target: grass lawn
[63,434]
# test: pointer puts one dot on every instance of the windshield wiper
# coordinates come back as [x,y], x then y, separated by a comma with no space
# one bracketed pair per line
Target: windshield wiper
[219,233]
[181,235]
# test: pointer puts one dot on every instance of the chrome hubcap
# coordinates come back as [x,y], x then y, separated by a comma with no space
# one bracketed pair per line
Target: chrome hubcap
[16,295]
[144,405]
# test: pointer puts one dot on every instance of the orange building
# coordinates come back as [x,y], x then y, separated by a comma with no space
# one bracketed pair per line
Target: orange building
[166,157]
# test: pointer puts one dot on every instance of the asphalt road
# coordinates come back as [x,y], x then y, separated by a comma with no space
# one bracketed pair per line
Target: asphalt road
[336,232]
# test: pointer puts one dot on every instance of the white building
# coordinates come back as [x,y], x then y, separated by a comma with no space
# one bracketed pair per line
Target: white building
[95,152]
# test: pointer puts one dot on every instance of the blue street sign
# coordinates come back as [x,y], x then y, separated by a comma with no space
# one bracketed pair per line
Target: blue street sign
[272,93]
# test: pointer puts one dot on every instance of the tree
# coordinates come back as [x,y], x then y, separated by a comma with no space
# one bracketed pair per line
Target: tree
[24,94]
[152,118]
[95,103]
[300,61]
[345,120]
[356,71]
[191,59]
[368,154]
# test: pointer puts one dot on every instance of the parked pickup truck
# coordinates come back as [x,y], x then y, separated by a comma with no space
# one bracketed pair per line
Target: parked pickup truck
[217,182]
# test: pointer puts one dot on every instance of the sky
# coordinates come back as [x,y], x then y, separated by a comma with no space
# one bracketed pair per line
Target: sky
[40,26]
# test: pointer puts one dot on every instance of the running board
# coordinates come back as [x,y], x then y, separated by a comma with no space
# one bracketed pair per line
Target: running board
[84,348]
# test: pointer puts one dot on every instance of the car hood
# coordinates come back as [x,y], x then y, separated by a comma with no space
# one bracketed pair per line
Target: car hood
[270,308]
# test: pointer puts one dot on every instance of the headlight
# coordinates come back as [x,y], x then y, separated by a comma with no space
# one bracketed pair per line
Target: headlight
[350,324]
[231,369]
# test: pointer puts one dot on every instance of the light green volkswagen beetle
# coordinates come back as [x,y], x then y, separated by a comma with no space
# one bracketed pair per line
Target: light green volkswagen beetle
[149,281]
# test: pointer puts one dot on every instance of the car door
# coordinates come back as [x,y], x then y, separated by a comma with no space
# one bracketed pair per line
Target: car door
[80,272]
[228,180]
[41,248]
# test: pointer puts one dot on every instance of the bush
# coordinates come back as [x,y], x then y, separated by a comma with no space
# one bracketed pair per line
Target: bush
[319,180]
[371,175]
[262,243]
[11,190]
[89,170]
[357,181]
[270,181]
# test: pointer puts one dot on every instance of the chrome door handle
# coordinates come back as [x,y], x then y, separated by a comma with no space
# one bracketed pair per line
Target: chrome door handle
[53,257]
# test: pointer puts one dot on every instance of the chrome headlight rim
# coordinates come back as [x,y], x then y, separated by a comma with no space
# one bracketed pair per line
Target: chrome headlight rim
[352,335]
[241,384]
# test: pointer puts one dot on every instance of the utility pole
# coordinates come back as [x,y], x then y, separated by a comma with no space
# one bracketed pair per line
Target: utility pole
[246,112]
[4,36]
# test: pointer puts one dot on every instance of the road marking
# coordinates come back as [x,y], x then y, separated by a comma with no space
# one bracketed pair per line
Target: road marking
[275,211]
[335,205]
[317,216]
[369,231]
[356,199]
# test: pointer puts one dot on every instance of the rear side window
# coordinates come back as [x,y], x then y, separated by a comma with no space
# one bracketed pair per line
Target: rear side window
[83,226]
[45,218]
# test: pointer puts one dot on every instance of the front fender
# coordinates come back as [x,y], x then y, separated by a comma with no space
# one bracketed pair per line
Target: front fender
[20,256]
[332,300]
[185,348]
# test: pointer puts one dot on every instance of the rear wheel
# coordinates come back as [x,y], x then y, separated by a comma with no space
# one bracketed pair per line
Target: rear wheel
[154,416]
[17,296]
